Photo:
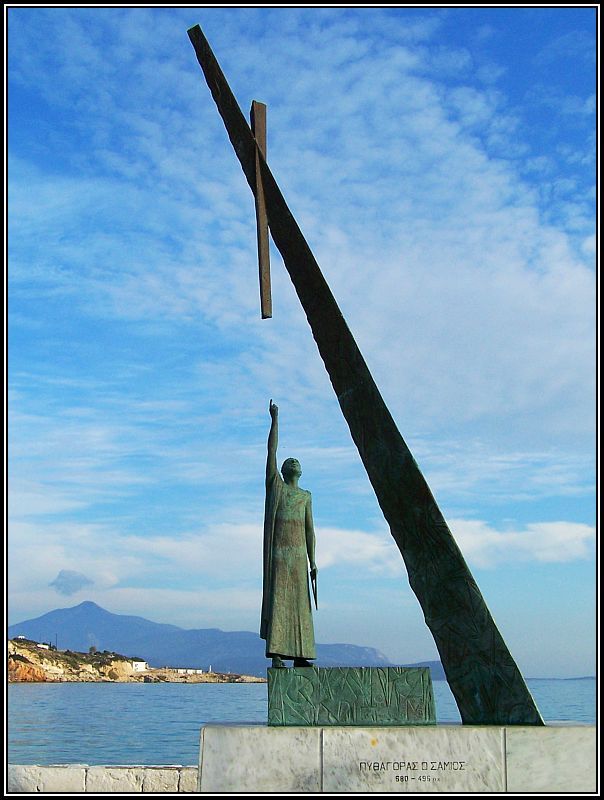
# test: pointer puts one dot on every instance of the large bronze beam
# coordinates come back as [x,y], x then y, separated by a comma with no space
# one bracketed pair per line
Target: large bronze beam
[484,678]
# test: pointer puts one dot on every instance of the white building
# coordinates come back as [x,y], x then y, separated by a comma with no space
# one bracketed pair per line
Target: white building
[139,666]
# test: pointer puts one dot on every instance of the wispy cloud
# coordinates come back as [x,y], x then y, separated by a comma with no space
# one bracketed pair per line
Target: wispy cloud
[575,44]
[484,546]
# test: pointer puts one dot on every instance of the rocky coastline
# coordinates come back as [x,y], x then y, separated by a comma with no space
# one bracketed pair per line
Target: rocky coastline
[34,662]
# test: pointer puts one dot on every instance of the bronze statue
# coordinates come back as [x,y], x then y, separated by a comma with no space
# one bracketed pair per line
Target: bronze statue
[289,540]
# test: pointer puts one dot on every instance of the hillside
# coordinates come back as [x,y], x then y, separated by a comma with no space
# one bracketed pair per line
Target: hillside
[28,662]
[87,624]
[437,673]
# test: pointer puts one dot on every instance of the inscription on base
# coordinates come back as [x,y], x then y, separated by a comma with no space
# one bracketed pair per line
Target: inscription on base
[443,759]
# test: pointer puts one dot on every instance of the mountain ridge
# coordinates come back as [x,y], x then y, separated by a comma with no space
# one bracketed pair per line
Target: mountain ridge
[229,651]
[160,644]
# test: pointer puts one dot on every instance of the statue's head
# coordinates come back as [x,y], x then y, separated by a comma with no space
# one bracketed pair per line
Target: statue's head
[291,466]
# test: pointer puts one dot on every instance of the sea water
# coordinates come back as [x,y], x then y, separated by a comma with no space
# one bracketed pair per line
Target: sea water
[159,723]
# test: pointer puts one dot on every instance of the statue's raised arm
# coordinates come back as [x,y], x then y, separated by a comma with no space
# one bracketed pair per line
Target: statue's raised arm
[273,437]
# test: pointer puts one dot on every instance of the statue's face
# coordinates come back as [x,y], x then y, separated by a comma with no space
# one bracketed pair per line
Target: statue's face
[291,466]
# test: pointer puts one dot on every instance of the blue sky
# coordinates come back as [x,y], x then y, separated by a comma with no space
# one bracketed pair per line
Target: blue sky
[441,165]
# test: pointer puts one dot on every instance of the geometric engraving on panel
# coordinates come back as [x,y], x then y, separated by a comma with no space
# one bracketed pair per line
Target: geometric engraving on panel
[351,696]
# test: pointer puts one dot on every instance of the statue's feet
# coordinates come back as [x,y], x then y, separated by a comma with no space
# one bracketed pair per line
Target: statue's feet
[277,663]
[301,662]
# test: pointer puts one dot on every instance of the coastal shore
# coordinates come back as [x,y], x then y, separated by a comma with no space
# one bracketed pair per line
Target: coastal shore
[35,662]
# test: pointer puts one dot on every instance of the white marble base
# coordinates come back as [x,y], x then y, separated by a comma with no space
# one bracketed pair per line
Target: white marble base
[551,759]
[259,759]
[443,758]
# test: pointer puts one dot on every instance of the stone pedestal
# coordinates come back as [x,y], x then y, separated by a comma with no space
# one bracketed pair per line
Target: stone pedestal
[351,696]
[443,758]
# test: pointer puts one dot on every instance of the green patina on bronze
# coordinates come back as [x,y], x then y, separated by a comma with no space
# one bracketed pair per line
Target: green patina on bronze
[484,678]
[351,696]
[289,546]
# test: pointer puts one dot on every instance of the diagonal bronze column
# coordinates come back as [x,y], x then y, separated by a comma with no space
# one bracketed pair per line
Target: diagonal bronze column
[480,670]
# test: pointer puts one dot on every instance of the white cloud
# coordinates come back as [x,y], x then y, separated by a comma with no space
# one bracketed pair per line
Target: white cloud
[30,498]
[575,44]
[545,542]
[464,470]
[589,246]
[230,608]
[375,553]
[228,555]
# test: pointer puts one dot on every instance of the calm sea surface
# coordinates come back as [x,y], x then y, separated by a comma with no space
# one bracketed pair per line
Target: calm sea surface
[158,723]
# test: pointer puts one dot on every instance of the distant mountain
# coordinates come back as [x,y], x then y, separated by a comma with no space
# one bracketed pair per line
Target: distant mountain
[436,669]
[87,624]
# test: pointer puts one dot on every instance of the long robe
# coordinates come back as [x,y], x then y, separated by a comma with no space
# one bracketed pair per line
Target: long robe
[286,621]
